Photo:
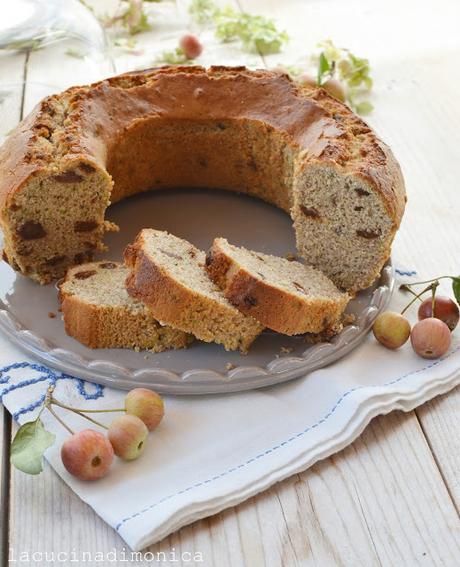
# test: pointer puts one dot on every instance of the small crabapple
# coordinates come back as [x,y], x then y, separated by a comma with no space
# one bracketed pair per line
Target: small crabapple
[87,454]
[391,329]
[308,80]
[145,404]
[335,89]
[430,338]
[444,309]
[191,46]
[127,434]
[279,69]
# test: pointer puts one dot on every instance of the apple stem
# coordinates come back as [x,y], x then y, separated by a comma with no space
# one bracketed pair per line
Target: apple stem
[52,412]
[89,410]
[417,296]
[431,281]
[405,287]
[434,285]
[80,413]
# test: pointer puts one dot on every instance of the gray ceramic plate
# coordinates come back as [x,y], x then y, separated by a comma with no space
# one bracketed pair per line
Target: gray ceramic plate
[199,216]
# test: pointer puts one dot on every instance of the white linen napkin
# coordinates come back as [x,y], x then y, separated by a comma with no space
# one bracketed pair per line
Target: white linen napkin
[211,452]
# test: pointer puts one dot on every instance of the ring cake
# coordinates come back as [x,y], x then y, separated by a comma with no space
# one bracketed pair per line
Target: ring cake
[252,131]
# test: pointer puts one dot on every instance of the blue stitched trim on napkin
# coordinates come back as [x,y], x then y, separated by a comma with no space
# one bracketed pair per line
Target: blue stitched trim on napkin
[46,374]
[53,378]
[276,447]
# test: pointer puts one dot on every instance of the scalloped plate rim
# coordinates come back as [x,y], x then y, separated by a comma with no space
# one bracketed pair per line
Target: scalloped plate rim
[201,380]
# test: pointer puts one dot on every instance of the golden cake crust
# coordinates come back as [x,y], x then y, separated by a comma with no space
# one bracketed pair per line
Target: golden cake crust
[91,128]
[276,307]
[97,320]
[113,104]
[182,306]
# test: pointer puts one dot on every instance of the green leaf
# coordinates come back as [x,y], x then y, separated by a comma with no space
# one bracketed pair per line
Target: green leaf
[364,107]
[258,34]
[266,43]
[133,18]
[176,57]
[128,43]
[142,24]
[356,71]
[202,10]
[368,83]
[344,68]
[324,67]
[352,71]
[332,53]
[29,445]
[229,24]
[293,70]
[456,288]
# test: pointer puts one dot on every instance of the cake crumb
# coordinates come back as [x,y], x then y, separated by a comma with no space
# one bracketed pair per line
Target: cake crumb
[325,337]
[286,350]
[313,338]
[51,315]
[290,257]
[348,319]
[230,366]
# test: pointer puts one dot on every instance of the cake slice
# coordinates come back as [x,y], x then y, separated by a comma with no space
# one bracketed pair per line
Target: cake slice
[168,274]
[284,296]
[99,313]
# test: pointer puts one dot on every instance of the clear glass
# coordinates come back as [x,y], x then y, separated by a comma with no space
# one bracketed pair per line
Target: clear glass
[45,47]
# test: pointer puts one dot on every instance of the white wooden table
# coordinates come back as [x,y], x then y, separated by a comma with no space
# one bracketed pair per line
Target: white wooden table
[393,496]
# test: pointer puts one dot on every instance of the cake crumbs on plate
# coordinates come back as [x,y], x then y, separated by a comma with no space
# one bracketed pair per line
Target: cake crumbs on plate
[348,319]
[286,350]
[51,314]
[230,366]
[314,338]
[290,256]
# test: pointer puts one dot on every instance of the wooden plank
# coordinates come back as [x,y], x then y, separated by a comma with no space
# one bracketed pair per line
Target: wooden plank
[12,70]
[440,421]
[399,493]
[55,519]
[430,235]
[12,76]
[429,230]
[364,506]
[381,501]
[5,433]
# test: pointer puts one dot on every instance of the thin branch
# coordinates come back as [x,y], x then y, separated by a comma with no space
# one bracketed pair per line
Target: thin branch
[81,414]
[415,298]
[50,409]
[80,410]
